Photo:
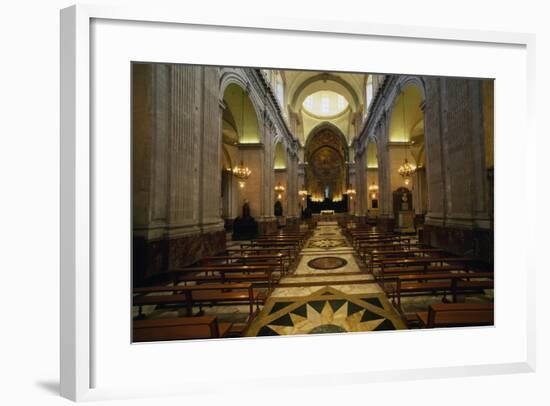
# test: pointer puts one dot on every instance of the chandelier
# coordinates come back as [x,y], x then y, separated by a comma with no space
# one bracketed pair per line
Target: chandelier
[373,189]
[302,192]
[279,188]
[406,170]
[350,192]
[242,172]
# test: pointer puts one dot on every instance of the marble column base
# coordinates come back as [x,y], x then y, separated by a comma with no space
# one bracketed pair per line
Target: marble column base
[267,227]
[468,242]
[150,258]
[385,224]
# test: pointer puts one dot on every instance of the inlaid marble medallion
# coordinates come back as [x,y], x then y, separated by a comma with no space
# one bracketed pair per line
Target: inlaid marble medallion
[327,263]
[326,243]
[326,311]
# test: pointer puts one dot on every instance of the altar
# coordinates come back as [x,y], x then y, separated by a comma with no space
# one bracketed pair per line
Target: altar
[327,212]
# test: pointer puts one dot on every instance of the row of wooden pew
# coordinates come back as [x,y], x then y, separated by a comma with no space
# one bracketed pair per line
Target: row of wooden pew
[405,267]
[242,275]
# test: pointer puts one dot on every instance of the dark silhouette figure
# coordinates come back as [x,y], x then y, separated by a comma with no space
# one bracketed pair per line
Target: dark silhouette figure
[245,227]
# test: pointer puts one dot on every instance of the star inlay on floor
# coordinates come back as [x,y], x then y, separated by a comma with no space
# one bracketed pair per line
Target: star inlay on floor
[326,311]
[326,243]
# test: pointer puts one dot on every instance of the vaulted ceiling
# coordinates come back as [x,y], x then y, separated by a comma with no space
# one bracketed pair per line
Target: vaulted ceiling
[299,85]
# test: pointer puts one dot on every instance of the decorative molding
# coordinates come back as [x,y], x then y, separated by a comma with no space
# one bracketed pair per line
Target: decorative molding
[251,145]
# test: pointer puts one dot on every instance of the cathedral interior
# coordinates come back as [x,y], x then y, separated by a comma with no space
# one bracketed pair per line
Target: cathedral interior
[274,202]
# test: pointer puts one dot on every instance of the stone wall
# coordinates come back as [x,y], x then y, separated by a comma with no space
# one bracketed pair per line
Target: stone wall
[452,194]
[177,162]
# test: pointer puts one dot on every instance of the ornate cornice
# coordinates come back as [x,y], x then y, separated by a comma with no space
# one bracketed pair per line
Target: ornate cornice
[271,106]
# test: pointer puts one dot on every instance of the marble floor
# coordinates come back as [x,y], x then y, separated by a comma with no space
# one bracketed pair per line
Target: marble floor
[329,292]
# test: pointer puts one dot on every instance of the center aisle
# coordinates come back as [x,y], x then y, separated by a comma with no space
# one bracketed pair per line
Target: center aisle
[330,292]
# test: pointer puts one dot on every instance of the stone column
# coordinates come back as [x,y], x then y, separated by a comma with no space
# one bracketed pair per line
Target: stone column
[458,217]
[211,150]
[434,126]
[292,191]
[186,126]
[353,184]
[150,148]
[360,184]
[151,135]
[301,182]
[386,217]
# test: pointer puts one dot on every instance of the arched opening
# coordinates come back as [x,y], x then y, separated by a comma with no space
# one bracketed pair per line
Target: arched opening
[326,173]
[406,141]
[243,115]
[241,144]
[326,98]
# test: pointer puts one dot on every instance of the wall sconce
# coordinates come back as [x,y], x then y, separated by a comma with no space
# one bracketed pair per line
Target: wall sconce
[279,188]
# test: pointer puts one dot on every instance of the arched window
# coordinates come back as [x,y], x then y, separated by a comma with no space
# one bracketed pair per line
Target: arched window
[280,90]
[369,91]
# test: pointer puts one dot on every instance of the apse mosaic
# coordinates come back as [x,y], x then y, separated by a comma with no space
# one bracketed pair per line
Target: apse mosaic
[326,311]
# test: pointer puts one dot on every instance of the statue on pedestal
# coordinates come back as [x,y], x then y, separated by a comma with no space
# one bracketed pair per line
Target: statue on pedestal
[404,202]
[245,227]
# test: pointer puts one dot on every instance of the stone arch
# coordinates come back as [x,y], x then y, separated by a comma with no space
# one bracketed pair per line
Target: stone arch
[410,144]
[241,107]
[335,129]
[233,77]
[326,153]
[341,86]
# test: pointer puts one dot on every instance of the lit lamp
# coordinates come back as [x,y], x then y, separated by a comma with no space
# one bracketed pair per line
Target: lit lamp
[350,192]
[242,173]
[406,170]
[279,188]
[302,192]
[373,189]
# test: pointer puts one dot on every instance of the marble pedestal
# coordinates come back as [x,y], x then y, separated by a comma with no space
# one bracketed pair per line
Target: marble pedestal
[405,221]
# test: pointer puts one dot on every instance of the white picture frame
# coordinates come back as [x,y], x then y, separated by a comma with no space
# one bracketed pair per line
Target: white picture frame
[78,350]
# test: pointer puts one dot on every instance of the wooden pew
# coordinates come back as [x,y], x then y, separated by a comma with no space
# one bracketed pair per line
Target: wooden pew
[359,242]
[377,256]
[276,260]
[457,315]
[294,247]
[196,294]
[394,267]
[424,262]
[286,252]
[226,273]
[365,249]
[353,236]
[441,283]
[180,328]
[291,240]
